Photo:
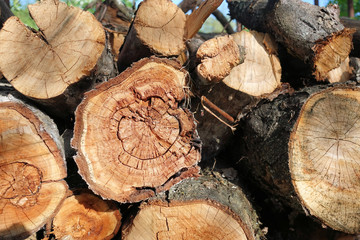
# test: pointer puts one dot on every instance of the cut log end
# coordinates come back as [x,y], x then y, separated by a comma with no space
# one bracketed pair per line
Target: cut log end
[218,56]
[323,157]
[260,73]
[84,215]
[31,171]
[134,131]
[42,65]
[185,220]
[331,53]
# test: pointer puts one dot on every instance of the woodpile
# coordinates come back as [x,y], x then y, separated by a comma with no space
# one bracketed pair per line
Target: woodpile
[249,135]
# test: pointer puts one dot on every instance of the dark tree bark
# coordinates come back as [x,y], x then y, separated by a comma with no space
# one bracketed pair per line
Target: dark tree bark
[302,149]
[316,2]
[351,12]
[311,33]
[5,12]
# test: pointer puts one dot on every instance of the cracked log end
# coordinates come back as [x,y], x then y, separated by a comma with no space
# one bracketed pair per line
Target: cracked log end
[217,56]
[331,53]
[43,64]
[31,170]
[160,26]
[208,207]
[132,137]
[84,215]
[184,220]
[260,73]
[157,29]
[323,158]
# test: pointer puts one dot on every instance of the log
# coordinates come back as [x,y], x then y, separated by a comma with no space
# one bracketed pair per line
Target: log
[238,89]
[132,137]
[313,34]
[157,29]
[209,207]
[32,168]
[302,148]
[84,215]
[49,62]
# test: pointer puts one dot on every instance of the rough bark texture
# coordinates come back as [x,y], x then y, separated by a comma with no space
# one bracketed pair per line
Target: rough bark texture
[84,215]
[327,171]
[313,34]
[133,131]
[205,208]
[157,29]
[355,24]
[5,13]
[32,168]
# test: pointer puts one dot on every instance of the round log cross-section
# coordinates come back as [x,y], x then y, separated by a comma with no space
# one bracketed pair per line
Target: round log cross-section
[32,169]
[42,65]
[84,215]
[132,137]
[324,157]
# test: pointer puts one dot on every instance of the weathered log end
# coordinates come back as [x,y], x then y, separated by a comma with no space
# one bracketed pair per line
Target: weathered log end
[260,73]
[331,52]
[157,29]
[205,208]
[134,132]
[323,157]
[84,215]
[217,56]
[32,169]
[43,64]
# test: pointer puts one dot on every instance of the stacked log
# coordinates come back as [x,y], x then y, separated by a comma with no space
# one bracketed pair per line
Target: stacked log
[137,136]
[32,168]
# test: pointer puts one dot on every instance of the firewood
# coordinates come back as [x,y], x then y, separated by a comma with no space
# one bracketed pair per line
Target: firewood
[32,168]
[43,65]
[312,33]
[217,56]
[133,138]
[84,215]
[302,148]
[209,207]
[157,29]
[257,75]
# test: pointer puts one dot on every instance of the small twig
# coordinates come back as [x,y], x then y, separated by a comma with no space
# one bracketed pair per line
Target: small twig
[220,111]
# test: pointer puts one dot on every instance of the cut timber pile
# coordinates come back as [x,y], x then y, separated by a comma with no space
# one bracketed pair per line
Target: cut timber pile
[205,208]
[32,169]
[84,215]
[65,49]
[304,147]
[311,33]
[133,138]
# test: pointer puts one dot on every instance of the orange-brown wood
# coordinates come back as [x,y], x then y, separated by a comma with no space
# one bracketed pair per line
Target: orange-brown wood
[32,169]
[132,136]
[86,216]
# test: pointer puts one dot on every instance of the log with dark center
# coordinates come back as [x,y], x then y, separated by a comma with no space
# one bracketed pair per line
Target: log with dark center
[206,208]
[84,215]
[32,169]
[312,33]
[303,148]
[132,136]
